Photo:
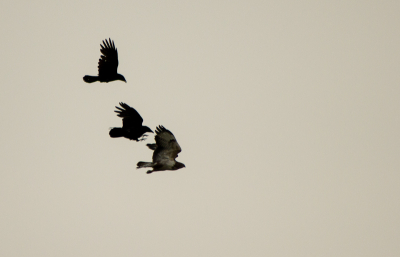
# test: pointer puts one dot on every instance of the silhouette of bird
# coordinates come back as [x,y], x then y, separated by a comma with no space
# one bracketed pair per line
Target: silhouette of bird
[131,124]
[165,149]
[108,64]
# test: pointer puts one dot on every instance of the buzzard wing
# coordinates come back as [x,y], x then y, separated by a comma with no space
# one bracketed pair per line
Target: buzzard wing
[130,117]
[108,62]
[167,147]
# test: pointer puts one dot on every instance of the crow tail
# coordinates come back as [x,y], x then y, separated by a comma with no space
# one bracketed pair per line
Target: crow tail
[90,79]
[116,132]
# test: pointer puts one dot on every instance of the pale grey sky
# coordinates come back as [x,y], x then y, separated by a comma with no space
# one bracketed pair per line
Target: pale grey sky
[287,113]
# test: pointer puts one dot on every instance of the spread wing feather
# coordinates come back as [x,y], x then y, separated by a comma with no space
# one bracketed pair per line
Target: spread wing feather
[167,147]
[108,62]
[130,117]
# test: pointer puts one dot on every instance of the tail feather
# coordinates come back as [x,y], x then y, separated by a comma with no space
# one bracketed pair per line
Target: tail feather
[90,79]
[152,146]
[116,132]
[144,164]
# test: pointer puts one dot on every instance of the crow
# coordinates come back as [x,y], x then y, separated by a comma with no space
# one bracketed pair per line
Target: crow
[165,149]
[131,124]
[108,64]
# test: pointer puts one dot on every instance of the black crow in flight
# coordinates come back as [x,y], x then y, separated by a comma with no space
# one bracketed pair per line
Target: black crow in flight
[131,124]
[166,149]
[108,64]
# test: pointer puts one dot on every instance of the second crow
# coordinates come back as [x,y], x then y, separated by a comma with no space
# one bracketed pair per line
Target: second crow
[131,124]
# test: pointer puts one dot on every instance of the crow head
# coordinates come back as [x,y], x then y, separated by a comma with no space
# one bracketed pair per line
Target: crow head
[147,129]
[120,77]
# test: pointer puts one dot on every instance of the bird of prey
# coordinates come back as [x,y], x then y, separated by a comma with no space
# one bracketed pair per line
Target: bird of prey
[108,64]
[165,149]
[131,124]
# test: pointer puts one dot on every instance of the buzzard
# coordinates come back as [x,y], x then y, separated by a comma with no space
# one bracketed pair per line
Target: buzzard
[166,149]
[108,64]
[131,124]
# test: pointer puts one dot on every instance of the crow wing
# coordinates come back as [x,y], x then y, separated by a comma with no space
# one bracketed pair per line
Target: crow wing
[108,62]
[130,117]
[167,147]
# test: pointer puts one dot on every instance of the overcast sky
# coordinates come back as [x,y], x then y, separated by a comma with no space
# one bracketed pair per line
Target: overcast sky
[287,112]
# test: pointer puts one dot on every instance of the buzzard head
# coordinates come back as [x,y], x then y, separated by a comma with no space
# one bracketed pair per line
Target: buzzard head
[178,165]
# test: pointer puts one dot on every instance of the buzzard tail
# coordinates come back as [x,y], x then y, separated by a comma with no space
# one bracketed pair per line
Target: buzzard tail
[144,164]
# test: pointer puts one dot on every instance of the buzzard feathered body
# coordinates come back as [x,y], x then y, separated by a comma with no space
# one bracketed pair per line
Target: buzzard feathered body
[165,149]
[131,124]
[108,64]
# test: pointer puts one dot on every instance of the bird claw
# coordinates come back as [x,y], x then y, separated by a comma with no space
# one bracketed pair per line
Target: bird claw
[142,138]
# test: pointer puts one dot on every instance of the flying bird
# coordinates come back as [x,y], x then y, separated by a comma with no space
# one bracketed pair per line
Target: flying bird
[108,64]
[165,149]
[131,124]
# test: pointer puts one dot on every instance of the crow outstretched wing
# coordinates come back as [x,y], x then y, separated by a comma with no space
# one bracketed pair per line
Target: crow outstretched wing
[108,62]
[130,117]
